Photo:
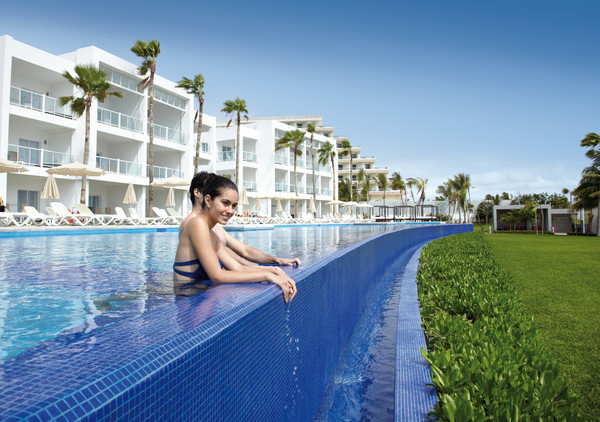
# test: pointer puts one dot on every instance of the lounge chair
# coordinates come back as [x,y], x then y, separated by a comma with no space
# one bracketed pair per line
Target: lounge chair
[100,219]
[64,216]
[141,220]
[7,218]
[37,217]
[164,218]
[122,218]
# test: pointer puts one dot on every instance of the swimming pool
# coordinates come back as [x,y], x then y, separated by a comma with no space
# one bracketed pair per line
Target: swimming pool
[153,344]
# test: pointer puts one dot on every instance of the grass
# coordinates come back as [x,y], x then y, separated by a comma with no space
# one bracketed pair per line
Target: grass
[558,281]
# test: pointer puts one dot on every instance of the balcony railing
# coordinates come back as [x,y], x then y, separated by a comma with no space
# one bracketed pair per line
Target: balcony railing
[168,134]
[281,187]
[39,102]
[300,189]
[281,159]
[250,186]
[326,192]
[38,156]
[164,172]
[204,147]
[114,165]
[226,156]
[249,156]
[120,120]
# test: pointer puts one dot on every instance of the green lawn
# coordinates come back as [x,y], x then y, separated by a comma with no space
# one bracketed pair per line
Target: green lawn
[558,280]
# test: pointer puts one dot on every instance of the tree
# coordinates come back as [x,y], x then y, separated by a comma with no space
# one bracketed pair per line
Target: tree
[344,190]
[485,211]
[326,153]
[420,184]
[366,188]
[292,139]
[347,150]
[359,179]
[310,128]
[398,184]
[511,218]
[383,183]
[148,51]
[92,83]
[195,87]
[462,185]
[235,108]
[447,193]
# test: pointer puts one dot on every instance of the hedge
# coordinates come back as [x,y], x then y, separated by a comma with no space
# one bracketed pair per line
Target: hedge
[487,361]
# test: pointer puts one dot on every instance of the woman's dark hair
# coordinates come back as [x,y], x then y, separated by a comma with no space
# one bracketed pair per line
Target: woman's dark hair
[198,182]
[214,185]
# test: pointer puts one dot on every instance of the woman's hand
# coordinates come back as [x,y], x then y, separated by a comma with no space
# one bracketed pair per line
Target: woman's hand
[287,285]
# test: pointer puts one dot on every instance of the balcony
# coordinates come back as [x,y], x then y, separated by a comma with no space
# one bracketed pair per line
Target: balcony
[250,186]
[114,165]
[38,157]
[204,147]
[326,192]
[281,187]
[281,159]
[300,189]
[119,120]
[226,156]
[249,156]
[164,172]
[164,132]
[43,103]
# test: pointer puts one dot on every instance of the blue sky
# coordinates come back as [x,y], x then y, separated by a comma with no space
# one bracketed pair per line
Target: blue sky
[501,90]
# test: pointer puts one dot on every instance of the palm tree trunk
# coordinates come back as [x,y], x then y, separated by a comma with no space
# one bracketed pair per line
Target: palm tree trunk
[86,147]
[201,108]
[151,146]
[237,152]
[295,186]
[350,175]
[312,151]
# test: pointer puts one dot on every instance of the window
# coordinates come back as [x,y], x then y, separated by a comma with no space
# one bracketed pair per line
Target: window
[298,124]
[94,203]
[27,197]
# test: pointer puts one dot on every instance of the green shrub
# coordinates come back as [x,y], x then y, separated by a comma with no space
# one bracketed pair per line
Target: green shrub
[486,359]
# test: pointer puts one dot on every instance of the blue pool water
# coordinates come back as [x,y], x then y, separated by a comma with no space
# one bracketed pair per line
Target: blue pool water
[51,285]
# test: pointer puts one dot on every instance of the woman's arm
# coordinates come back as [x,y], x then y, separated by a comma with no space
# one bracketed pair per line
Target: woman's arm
[209,249]
[254,255]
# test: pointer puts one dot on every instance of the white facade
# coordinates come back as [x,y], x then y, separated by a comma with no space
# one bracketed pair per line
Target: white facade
[267,174]
[37,132]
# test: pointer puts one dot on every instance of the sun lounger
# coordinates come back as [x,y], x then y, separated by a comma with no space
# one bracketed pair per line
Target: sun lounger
[8,218]
[141,220]
[164,218]
[64,216]
[38,218]
[98,219]
[122,218]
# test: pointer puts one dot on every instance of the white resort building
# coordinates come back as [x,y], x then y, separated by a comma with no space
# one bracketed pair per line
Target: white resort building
[38,133]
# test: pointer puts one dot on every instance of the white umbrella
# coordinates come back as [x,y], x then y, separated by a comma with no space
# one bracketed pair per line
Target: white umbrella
[335,202]
[243,199]
[130,197]
[7,166]
[50,190]
[170,198]
[171,181]
[257,207]
[279,208]
[76,169]
[311,206]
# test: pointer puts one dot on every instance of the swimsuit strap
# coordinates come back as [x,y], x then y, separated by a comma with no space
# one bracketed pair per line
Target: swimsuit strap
[192,262]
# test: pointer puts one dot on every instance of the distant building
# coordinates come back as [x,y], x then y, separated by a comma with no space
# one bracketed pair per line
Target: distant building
[550,219]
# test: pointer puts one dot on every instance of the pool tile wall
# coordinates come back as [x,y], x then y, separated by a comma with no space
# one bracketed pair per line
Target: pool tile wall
[235,352]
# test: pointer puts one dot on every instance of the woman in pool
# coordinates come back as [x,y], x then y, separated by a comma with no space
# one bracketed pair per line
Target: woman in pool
[196,258]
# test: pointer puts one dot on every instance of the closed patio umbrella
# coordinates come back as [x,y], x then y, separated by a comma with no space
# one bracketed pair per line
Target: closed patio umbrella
[243,199]
[130,197]
[279,208]
[50,190]
[170,198]
[311,206]
[257,206]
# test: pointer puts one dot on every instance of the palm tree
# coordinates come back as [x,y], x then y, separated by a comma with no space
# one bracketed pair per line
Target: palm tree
[235,108]
[359,180]
[366,187]
[92,82]
[195,87]
[292,139]
[398,184]
[587,193]
[326,153]
[347,150]
[382,181]
[447,193]
[310,128]
[148,51]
